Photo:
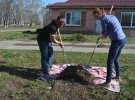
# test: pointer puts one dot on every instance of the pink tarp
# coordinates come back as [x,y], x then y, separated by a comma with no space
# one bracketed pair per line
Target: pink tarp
[99,74]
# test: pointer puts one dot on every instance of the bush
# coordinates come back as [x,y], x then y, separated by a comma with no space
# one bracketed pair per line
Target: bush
[80,37]
[73,37]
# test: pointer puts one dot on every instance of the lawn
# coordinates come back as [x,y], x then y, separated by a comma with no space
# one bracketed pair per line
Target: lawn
[19,27]
[19,71]
[22,36]
[31,35]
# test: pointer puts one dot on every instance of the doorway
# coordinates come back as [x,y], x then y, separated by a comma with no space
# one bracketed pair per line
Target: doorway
[98,27]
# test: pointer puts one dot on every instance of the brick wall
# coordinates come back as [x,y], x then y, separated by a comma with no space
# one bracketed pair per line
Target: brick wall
[87,21]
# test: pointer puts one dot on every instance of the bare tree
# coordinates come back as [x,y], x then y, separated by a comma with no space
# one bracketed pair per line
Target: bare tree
[6,7]
[47,15]
[20,12]
[18,6]
[1,13]
[32,11]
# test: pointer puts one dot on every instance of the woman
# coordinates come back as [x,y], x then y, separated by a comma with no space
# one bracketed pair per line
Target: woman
[112,28]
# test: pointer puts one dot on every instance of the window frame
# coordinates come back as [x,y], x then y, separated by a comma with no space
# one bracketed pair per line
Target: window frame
[131,23]
[71,12]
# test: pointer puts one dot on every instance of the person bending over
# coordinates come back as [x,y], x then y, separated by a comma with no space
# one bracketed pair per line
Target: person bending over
[112,28]
[46,36]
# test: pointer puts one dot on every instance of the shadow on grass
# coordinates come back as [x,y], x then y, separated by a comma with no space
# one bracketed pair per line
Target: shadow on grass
[35,32]
[26,73]
[29,32]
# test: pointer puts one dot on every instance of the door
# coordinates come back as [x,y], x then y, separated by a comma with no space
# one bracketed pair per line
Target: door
[98,26]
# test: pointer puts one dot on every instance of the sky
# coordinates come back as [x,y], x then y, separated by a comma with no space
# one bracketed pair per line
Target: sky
[46,2]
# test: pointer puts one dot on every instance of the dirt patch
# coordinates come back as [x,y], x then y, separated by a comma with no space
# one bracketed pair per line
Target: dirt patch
[69,90]
[74,78]
[74,83]
[2,60]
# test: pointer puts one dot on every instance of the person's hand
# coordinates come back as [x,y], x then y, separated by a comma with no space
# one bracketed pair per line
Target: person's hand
[61,45]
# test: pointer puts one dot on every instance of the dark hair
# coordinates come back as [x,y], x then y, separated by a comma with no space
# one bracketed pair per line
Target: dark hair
[60,18]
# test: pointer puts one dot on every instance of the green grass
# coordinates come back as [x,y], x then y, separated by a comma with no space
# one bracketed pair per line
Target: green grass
[90,38]
[17,36]
[81,38]
[65,37]
[19,27]
[20,69]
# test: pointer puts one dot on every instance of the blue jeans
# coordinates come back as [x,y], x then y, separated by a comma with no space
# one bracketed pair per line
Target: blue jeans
[114,52]
[46,51]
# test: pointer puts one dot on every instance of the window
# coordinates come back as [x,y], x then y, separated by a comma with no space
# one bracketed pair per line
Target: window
[73,18]
[128,19]
[133,19]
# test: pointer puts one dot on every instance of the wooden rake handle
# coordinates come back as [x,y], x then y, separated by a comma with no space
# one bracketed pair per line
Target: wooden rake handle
[111,9]
[65,57]
[92,54]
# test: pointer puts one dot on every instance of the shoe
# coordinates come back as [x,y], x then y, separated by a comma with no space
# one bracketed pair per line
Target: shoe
[48,77]
[105,84]
[118,78]
[42,78]
[51,77]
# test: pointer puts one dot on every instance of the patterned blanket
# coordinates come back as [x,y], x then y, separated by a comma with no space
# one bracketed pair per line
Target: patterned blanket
[99,74]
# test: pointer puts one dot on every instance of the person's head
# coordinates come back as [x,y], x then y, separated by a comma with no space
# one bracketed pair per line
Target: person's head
[60,21]
[98,12]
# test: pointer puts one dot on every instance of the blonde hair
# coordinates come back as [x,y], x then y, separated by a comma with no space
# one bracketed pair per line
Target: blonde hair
[99,10]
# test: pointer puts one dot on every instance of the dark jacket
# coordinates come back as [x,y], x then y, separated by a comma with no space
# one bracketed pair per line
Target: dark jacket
[44,33]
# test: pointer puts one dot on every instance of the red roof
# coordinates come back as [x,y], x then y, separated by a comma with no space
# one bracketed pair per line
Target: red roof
[94,3]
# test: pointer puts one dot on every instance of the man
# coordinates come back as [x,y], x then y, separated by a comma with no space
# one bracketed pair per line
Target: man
[112,28]
[46,36]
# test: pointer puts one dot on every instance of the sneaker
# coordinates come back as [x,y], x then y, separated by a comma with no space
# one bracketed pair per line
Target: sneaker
[51,77]
[118,78]
[42,78]
[105,84]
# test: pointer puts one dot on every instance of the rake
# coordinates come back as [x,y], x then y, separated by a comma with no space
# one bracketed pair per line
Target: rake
[65,57]
[92,54]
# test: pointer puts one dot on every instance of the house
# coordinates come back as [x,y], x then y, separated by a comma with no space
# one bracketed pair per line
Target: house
[79,16]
